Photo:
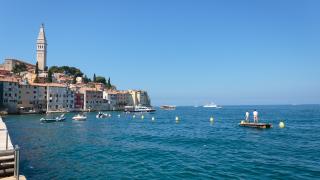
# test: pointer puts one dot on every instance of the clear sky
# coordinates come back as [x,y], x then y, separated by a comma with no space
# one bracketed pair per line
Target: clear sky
[183,52]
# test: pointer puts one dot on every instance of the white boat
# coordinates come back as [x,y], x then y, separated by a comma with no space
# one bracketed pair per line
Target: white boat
[168,107]
[139,108]
[212,105]
[101,115]
[56,119]
[79,117]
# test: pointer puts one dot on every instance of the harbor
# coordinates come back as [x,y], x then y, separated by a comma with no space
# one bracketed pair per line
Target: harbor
[126,145]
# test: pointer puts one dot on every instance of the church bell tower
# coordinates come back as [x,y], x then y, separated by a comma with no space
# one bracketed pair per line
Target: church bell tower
[42,49]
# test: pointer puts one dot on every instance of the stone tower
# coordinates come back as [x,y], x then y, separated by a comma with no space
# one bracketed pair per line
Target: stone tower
[42,49]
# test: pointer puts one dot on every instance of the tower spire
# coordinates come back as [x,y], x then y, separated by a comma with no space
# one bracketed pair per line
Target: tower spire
[42,49]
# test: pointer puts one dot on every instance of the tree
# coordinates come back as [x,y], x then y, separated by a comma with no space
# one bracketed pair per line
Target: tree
[86,79]
[36,80]
[74,80]
[49,79]
[109,84]
[19,68]
[94,78]
[100,79]
[37,69]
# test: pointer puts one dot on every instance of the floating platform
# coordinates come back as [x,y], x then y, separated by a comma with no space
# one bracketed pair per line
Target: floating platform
[255,125]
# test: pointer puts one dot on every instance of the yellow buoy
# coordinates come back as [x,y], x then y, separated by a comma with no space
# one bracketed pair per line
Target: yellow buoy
[152,118]
[142,117]
[281,124]
[211,119]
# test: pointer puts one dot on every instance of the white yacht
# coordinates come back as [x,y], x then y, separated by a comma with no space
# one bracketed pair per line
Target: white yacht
[212,105]
[139,108]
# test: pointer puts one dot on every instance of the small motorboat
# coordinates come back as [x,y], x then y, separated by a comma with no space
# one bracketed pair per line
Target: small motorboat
[101,115]
[56,119]
[79,117]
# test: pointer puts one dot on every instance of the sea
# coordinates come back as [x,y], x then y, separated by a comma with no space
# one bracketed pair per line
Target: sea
[156,146]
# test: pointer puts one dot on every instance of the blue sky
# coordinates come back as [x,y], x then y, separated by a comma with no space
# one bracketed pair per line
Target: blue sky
[182,52]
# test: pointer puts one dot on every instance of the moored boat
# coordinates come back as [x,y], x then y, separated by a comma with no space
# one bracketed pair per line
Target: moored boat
[168,107]
[56,119]
[255,125]
[79,117]
[139,108]
[212,105]
[101,115]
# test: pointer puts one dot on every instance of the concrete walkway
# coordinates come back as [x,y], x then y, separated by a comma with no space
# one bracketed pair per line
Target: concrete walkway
[6,141]
[21,177]
[3,136]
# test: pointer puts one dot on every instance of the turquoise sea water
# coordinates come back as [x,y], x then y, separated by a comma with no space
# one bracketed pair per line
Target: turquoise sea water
[194,148]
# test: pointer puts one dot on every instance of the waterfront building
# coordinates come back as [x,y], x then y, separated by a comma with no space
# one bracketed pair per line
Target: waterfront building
[32,98]
[79,101]
[93,100]
[9,88]
[42,49]
[118,99]
[60,98]
[140,97]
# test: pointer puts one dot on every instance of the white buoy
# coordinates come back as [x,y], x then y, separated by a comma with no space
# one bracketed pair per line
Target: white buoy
[142,117]
[281,124]
[177,118]
[152,118]
[109,115]
[118,115]
[134,116]
[211,119]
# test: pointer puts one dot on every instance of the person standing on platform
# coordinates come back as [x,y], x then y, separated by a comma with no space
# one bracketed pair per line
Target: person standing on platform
[247,116]
[255,116]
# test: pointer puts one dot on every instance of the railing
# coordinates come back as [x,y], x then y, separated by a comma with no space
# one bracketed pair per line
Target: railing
[9,162]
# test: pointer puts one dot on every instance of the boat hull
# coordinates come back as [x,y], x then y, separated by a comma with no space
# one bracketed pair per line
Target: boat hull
[151,110]
[52,120]
[256,125]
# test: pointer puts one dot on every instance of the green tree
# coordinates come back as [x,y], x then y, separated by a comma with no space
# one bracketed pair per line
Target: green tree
[37,69]
[109,83]
[94,78]
[86,79]
[49,79]
[19,68]
[36,80]
[100,79]
[74,80]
